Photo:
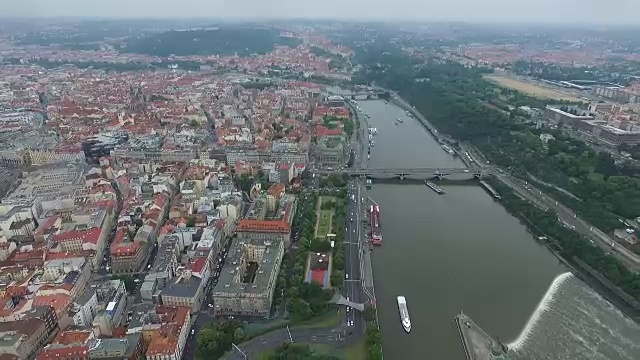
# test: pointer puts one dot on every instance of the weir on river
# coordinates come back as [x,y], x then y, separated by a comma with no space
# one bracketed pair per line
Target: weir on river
[542,307]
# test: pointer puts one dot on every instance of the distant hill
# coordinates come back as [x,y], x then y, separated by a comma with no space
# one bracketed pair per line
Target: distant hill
[222,41]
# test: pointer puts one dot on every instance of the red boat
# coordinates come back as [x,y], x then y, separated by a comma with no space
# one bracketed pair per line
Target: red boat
[376,229]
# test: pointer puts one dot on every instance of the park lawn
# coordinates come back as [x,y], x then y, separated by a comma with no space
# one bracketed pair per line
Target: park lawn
[318,349]
[324,223]
[326,349]
[357,351]
[530,89]
[330,319]
[256,329]
[324,217]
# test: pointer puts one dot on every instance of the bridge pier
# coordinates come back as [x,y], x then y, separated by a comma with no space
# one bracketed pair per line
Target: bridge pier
[401,176]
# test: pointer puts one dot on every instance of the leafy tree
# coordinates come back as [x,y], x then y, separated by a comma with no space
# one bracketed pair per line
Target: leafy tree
[369,313]
[216,338]
[244,182]
[238,335]
[337,278]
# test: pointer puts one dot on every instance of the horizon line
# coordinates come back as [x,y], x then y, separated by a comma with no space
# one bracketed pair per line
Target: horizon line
[413,21]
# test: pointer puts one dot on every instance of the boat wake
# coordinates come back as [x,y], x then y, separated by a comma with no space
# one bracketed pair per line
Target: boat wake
[542,307]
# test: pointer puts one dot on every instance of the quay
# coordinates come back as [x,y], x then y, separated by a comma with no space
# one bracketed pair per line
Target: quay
[490,189]
[434,187]
[477,344]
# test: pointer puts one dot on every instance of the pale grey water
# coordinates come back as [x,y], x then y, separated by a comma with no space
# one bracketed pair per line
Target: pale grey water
[460,251]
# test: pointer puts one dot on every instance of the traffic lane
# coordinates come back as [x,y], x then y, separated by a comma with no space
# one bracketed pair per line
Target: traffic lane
[347,287]
[352,273]
[577,224]
[254,347]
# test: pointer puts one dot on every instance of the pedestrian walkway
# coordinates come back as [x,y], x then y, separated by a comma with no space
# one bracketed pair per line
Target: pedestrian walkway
[340,300]
[477,344]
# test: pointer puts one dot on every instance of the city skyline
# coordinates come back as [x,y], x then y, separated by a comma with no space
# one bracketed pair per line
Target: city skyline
[620,12]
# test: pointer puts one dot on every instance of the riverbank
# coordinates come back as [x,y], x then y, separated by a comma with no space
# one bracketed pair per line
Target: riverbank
[373,338]
[587,272]
[625,302]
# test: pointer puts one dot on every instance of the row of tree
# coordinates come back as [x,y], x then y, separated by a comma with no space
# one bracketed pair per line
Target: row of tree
[305,300]
[333,181]
[337,224]
[373,337]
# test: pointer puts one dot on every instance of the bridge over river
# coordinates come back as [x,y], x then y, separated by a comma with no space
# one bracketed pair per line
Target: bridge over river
[404,172]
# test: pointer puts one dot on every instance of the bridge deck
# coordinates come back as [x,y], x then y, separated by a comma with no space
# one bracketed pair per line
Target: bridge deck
[401,171]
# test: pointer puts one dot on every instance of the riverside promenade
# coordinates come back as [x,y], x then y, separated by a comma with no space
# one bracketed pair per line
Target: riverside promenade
[477,344]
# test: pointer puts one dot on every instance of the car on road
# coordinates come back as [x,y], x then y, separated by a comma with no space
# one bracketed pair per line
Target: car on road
[346,276]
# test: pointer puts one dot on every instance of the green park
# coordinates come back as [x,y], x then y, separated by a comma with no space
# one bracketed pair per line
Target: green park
[324,216]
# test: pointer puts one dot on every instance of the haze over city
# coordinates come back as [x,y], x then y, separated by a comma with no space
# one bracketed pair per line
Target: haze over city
[617,12]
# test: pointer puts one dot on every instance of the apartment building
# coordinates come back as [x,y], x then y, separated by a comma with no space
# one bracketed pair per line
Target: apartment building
[113,301]
[185,290]
[24,338]
[263,225]
[85,308]
[48,188]
[16,220]
[616,93]
[128,257]
[164,329]
[128,348]
[163,269]
[247,280]
[67,345]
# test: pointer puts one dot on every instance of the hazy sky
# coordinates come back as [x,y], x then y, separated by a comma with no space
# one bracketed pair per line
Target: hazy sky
[574,11]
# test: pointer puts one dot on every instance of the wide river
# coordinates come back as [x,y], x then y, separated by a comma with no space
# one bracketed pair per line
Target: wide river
[463,252]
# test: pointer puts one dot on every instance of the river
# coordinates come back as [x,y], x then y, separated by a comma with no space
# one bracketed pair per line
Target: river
[463,251]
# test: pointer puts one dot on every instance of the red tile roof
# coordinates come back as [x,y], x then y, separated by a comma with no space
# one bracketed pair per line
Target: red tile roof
[86,236]
[197,264]
[263,226]
[68,352]
[72,337]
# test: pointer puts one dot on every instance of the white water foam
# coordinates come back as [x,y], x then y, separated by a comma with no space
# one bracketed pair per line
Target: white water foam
[540,309]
